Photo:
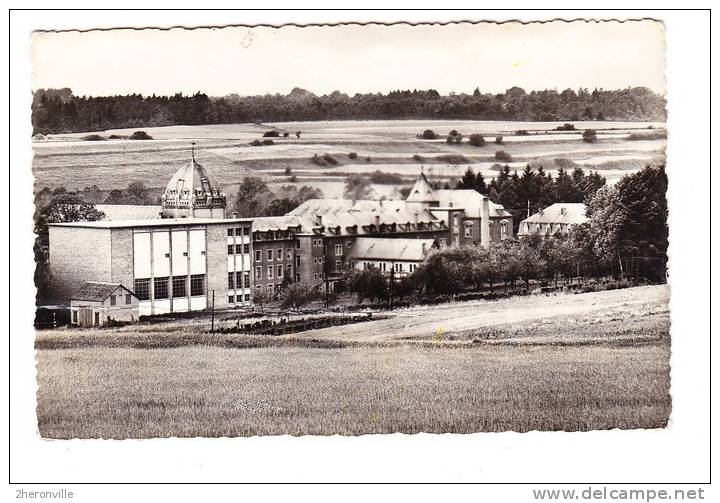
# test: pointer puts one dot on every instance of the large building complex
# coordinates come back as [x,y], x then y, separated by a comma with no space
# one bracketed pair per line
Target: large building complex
[186,254]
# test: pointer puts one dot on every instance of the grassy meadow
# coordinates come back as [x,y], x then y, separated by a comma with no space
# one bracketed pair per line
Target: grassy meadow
[604,366]
[388,146]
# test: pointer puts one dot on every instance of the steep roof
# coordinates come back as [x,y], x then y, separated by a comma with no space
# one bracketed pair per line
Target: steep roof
[264,224]
[129,211]
[400,249]
[422,191]
[470,200]
[563,213]
[97,291]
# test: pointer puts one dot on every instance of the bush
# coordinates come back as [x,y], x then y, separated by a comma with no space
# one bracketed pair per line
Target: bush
[658,135]
[352,155]
[453,159]
[117,137]
[330,159]
[565,127]
[429,134]
[286,134]
[256,143]
[140,135]
[503,156]
[367,159]
[268,142]
[385,178]
[476,140]
[454,137]
[418,158]
[589,136]
[522,132]
[499,140]
[93,137]
[271,134]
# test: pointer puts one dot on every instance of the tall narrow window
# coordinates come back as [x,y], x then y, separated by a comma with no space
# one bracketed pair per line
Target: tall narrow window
[258,255]
[179,284]
[231,280]
[258,273]
[112,300]
[142,288]
[160,287]
[231,249]
[197,285]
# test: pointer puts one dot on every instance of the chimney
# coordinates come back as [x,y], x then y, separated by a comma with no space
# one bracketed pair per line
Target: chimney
[563,211]
[416,214]
[377,222]
[424,248]
[485,222]
[318,219]
[234,214]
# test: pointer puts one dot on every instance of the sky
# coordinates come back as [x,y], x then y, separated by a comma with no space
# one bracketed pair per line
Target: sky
[353,58]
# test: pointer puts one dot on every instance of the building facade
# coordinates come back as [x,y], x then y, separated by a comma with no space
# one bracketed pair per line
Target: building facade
[555,219]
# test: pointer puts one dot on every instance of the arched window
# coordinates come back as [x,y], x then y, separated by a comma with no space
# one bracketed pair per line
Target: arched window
[503,229]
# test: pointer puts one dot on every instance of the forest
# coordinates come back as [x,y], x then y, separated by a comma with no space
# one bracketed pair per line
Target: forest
[60,111]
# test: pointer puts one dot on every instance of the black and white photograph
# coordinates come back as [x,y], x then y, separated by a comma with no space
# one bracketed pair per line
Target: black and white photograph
[352,229]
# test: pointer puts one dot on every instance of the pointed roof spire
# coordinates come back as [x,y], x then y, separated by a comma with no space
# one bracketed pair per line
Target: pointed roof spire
[422,191]
[192,150]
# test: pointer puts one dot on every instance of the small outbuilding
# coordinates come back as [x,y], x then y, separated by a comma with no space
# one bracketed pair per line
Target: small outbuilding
[98,304]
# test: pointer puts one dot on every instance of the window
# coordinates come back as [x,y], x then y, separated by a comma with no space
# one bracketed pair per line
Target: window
[160,288]
[74,316]
[231,249]
[231,232]
[246,279]
[142,288]
[179,286]
[271,289]
[128,298]
[503,228]
[279,271]
[468,229]
[197,285]
[338,265]
[288,254]
[258,255]
[258,273]
[231,280]
[297,244]
[239,231]
[314,242]
[112,300]
[246,231]
[348,244]
[258,288]
[315,276]
[269,254]
[338,249]
[269,272]
[443,242]
[297,261]
[320,260]
[238,249]
[279,254]
[315,260]
[297,276]
[247,297]
[246,248]
[231,299]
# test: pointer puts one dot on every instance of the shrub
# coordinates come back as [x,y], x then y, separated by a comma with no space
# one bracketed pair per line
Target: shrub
[476,140]
[268,142]
[522,132]
[140,135]
[658,135]
[418,158]
[352,155]
[429,134]
[286,134]
[367,159]
[503,156]
[288,171]
[271,134]
[93,137]
[256,143]
[378,176]
[589,136]
[330,159]
[316,159]
[499,140]
[117,137]
[453,159]
[454,137]
[565,127]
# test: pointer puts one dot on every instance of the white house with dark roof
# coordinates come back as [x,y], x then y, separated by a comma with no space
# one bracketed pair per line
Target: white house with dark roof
[555,219]
[402,255]
[96,304]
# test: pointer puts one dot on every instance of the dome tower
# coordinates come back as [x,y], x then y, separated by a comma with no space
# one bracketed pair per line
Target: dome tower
[193,192]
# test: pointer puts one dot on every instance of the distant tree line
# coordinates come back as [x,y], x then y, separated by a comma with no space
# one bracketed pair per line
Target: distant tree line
[255,199]
[58,110]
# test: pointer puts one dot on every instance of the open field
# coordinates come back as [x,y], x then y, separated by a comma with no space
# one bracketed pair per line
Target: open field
[385,145]
[591,361]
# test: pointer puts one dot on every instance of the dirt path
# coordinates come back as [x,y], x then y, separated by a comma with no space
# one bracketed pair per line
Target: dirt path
[447,318]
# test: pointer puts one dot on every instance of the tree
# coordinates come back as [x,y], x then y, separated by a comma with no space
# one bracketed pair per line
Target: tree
[449,270]
[357,187]
[262,298]
[429,134]
[252,197]
[297,295]
[138,191]
[367,284]
[607,218]
[454,137]
[476,140]
[589,136]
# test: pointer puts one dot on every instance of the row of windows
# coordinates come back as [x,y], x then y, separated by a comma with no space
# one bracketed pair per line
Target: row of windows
[239,231]
[161,290]
[271,254]
[113,299]
[317,242]
[272,272]
[238,249]
[383,266]
[239,279]
[238,298]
